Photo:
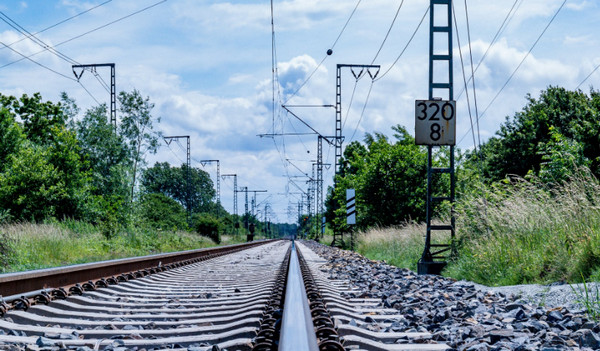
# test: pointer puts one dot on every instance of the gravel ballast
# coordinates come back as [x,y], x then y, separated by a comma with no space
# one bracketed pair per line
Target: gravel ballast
[464,315]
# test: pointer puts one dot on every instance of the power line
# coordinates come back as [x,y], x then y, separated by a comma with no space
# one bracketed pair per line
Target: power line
[88,32]
[63,21]
[519,66]
[326,55]
[406,46]
[509,16]
[37,63]
[588,76]
[388,32]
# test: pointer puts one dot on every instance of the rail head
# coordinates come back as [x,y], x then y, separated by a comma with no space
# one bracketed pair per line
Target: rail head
[297,328]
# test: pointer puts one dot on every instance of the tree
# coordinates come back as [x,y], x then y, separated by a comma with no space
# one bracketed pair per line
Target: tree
[162,212]
[390,179]
[44,175]
[172,182]
[11,136]
[525,141]
[137,128]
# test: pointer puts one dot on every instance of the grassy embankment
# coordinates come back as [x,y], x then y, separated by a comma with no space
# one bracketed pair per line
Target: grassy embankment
[519,234]
[32,246]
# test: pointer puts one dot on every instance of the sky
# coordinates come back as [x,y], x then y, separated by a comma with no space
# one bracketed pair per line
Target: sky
[207,67]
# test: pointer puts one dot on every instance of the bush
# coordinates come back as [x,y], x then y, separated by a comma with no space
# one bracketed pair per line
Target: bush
[162,212]
[207,225]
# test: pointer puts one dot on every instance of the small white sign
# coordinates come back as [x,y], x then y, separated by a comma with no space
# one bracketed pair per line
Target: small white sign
[435,122]
[350,206]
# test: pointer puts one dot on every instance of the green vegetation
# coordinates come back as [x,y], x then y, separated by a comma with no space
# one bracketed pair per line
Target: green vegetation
[527,204]
[74,188]
[32,246]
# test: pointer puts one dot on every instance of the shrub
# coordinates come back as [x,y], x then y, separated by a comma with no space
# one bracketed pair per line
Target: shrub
[162,212]
[207,225]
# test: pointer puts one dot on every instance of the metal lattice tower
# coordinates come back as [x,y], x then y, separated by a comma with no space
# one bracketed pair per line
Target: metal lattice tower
[113,90]
[168,140]
[235,191]
[434,256]
[203,162]
[319,196]
[254,199]
[339,139]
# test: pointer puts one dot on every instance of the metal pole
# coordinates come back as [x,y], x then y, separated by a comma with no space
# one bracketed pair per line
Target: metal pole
[189,205]
[113,89]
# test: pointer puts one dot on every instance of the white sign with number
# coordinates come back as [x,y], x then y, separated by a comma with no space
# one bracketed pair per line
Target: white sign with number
[435,122]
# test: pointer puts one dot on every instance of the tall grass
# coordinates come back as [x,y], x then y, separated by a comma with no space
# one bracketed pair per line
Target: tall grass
[400,246]
[29,246]
[521,232]
[517,232]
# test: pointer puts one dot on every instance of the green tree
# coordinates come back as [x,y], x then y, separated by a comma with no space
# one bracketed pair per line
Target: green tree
[525,140]
[137,128]
[390,179]
[172,182]
[162,212]
[30,186]
[56,169]
[11,136]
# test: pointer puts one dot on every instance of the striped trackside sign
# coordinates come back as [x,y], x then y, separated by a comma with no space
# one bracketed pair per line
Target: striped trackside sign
[350,206]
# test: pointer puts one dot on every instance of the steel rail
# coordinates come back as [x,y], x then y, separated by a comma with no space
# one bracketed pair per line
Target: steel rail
[297,328]
[20,283]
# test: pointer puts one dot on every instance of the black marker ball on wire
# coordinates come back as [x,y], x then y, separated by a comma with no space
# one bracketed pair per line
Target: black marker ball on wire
[329,52]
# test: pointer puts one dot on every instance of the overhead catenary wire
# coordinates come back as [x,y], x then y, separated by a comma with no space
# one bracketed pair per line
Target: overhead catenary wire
[63,21]
[388,32]
[405,46]
[326,55]
[588,76]
[483,114]
[462,66]
[88,32]
[507,19]
[472,73]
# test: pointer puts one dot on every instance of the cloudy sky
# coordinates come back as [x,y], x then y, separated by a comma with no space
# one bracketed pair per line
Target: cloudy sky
[207,67]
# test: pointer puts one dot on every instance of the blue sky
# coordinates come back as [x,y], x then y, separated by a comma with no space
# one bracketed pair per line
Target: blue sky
[207,67]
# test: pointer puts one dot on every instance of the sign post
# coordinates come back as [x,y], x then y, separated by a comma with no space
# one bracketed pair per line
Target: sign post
[435,126]
[350,207]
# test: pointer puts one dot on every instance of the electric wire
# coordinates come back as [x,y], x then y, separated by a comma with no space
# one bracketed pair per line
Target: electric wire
[6,19]
[507,19]
[588,76]
[63,21]
[363,110]
[462,66]
[89,32]
[406,46]
[483,114]
[326,55]
[37,63]
[472,73]
[388,32]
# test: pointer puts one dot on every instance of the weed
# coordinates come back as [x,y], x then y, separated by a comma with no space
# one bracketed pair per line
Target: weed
[589,299]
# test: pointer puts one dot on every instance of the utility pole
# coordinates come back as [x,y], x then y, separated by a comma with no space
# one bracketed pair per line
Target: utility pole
[338,238]
[244,189]
[235,205]
[113,92]
[254,198]
[435,126]
[168,140]
[235,191]
[204,162]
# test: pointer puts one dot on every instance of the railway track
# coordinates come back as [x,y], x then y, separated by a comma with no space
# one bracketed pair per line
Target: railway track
[266,296]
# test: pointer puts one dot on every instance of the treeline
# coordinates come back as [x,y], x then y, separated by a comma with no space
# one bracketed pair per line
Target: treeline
[57,162]
[551,138]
